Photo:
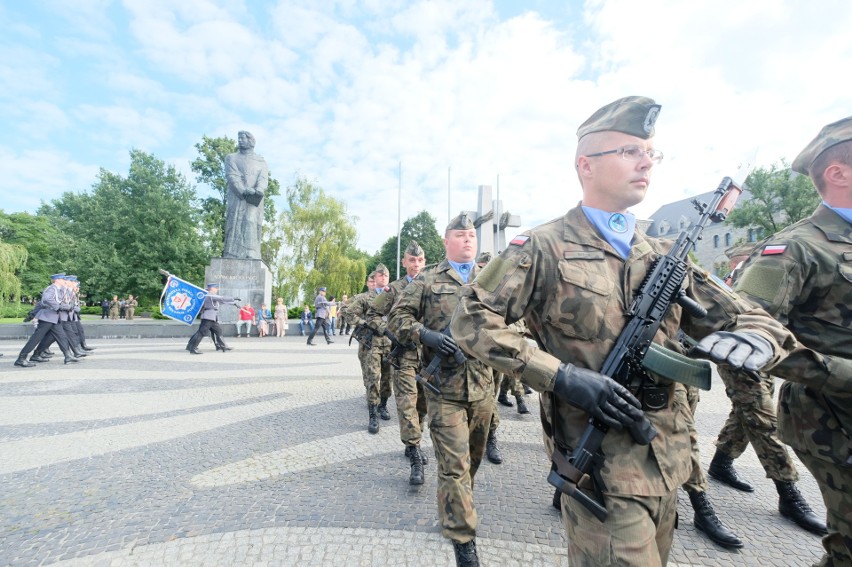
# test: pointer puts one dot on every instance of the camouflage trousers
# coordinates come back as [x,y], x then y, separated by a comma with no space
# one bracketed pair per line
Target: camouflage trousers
[835,483]
[638,531]
[509,385]
[697,481]
[410,398]
[459,430]
[376,373]
[753,420]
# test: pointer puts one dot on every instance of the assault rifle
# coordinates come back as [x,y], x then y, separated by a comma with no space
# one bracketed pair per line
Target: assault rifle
[634,353]
[433,370]
[364,335]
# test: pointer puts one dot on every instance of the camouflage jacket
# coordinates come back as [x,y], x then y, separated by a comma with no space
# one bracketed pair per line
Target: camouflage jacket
[803,277]
[572,289]
[380,309]
[429,301]
[356,314]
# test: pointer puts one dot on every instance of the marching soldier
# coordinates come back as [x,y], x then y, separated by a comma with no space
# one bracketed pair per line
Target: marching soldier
[409,395]
[363,349]
[460,416]
[377,378]
[572,280]
[210,320]
[803,277]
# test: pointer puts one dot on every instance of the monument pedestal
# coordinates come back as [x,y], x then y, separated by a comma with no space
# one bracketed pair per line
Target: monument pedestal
[250,280]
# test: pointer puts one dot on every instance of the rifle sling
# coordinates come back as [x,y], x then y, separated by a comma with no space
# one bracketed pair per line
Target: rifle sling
[677,367]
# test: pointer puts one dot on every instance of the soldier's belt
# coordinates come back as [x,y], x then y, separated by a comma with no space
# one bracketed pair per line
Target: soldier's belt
[677,367]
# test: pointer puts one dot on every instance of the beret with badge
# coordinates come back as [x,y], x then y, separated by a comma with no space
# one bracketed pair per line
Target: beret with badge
[833,134]
[634,115]
[461,222]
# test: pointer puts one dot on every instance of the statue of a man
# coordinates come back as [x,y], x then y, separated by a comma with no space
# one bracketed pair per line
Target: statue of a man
[248,177]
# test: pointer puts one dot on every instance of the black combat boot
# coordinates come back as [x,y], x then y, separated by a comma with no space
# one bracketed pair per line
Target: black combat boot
[492,451]
[23,362]
[792,506]
[503,398]
[722,469]
[383,409]
[411,449]
[373,425]
[416,476]
[466,554]
[706,520]
[522,405]
[527,390]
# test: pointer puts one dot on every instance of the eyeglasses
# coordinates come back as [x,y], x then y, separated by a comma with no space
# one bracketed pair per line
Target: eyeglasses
[632,153]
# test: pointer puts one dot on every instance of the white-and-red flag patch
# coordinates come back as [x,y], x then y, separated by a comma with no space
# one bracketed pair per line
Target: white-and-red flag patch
[772,249]
[519,240]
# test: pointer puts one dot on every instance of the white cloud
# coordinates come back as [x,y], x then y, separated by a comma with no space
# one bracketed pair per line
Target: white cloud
[31,177]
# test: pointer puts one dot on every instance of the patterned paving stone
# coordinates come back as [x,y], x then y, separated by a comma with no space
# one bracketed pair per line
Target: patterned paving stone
[145,455]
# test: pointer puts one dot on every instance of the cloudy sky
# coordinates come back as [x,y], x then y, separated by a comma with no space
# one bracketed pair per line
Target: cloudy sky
[460,92]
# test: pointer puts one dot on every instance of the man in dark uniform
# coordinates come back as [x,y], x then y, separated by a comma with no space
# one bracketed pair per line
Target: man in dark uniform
[210,320]
[322,306]
[572,281]
[48,322]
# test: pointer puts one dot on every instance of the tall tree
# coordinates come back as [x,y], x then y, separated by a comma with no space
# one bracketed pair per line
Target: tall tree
[778,198]
[317,250]
[127,227]
[47,248]
[12,259]
[209,167]
[422,228]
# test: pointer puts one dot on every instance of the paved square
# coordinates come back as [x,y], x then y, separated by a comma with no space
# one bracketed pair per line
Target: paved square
[146,455]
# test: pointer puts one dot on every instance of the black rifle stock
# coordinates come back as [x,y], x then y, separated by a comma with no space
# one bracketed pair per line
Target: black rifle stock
[662,287]
[397,348]
[433,370]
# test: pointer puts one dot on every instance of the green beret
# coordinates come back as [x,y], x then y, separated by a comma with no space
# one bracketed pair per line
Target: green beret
[484,257]
[381,269]
[634,115]
[833,134]
[461,222]
[414,249]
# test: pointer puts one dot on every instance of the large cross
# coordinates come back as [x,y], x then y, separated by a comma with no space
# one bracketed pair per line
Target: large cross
[490,233]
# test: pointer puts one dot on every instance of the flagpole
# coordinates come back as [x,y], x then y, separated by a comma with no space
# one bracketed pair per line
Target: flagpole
[398,218]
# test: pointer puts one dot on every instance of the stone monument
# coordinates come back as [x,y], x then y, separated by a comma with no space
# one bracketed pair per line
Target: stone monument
[240,272]
[491,222]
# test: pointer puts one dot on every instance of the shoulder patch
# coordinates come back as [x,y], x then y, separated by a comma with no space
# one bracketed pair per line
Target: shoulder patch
[773,249]
[519,240]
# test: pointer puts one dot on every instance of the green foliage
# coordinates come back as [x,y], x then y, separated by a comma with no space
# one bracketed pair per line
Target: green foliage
[209,167]
[46,247]
[12,259]
[15,310]
[317,248]
[778,199]
[127,228]
[421,228]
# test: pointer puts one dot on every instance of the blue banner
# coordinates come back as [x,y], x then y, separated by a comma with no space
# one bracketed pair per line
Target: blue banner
[181,300]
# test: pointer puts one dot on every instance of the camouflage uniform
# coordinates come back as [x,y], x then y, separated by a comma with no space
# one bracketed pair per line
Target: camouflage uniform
[753,420]
[459,419]
[409,395]
[803,276]
[376,371]
[572,289]
[130,308]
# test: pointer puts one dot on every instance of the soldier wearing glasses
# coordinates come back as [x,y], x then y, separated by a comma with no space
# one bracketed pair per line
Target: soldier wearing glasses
[572,280]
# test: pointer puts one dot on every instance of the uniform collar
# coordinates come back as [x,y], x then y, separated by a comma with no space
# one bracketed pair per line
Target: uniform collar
[835,227]
[577,228]
[445,266]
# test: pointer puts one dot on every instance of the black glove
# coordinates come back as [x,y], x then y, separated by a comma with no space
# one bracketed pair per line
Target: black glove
[237,299]
[745,351]
[604,398]
[438,341]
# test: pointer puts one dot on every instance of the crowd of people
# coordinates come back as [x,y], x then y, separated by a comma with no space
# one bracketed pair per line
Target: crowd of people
[450,340]
[115,308]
